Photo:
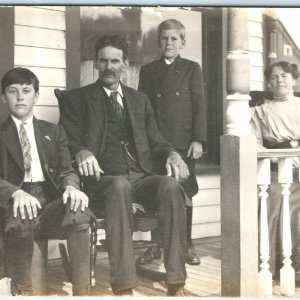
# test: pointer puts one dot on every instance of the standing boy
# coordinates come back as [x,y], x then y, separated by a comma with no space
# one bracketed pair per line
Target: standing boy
[40,196]
[176,90]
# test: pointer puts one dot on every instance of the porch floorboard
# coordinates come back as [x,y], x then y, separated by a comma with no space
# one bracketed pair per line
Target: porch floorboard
[203,280]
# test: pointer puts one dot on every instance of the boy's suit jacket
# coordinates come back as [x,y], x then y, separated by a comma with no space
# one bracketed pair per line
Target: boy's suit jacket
[53,152]
[84,117]
[178,100]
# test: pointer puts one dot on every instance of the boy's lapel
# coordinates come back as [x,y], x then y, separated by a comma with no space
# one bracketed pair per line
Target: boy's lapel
[43,141]
[10,139]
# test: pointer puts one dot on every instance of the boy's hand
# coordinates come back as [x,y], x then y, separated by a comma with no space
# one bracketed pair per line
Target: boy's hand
[23,200]
[77,198]
[195,150]
[88,164]
[176,164]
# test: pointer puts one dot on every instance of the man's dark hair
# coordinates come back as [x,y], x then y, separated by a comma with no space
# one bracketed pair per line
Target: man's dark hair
[115,41]
[285,66]
[19,76]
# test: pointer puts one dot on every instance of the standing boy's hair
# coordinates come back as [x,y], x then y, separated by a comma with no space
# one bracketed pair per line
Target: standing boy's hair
[172,24]
[19,76]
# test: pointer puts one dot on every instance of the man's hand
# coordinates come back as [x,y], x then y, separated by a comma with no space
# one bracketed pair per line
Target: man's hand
[76,198]
[23,200]
[179,167]
[195,150]
[88,164]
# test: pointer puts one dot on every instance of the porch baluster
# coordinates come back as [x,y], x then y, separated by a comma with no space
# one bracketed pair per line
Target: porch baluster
[265,276]
[287,272]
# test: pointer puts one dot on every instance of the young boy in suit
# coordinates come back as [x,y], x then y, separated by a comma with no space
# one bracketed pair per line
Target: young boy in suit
[176,90]
[40,196]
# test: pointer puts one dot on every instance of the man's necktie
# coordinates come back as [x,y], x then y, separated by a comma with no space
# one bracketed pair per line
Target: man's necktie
[117,106]
[26,149]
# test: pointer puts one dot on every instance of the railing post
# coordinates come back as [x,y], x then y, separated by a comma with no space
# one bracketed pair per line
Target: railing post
[263,181]
[287,272]
[238,170]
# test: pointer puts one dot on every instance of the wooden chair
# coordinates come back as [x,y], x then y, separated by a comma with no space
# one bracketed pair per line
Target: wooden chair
[142,222]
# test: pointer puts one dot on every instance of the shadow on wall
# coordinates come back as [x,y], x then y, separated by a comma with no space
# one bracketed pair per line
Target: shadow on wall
[96,22]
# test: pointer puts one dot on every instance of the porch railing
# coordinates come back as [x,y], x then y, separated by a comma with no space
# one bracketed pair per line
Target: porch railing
[285,178]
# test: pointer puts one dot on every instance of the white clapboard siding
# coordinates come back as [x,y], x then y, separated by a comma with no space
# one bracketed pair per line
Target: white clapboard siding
[47,97]
[207,197]
[206,204]
[208,179]
[39,37]
[47,113]
[40,57]
[256,86]
[40,17]
[50,77]
[206,214]
[40,45]
[255,29]
[256,59]
[255,44]
[256,73]
[206,230]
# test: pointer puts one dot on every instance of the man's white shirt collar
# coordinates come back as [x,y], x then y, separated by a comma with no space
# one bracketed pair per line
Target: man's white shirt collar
[120,93]
[119,90]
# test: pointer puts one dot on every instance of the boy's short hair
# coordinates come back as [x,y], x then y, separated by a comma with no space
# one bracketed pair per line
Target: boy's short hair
[115,41]
[172,24]
[19,76]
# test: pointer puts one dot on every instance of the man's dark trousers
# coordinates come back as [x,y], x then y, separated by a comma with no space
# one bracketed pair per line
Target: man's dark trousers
[20,234]
[156,193]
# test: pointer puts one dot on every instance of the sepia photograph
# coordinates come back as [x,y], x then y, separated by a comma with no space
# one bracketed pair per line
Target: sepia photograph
[149,151]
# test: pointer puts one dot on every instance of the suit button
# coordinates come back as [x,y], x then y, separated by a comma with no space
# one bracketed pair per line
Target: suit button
[177,93]
[122,142]
[159,95]
[51,170]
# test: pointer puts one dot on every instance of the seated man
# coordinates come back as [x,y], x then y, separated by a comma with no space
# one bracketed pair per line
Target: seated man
[40,196]
[113,137]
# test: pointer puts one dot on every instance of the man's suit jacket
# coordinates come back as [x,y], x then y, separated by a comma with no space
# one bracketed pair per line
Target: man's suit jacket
[53,152]
[178,100]
[84,117]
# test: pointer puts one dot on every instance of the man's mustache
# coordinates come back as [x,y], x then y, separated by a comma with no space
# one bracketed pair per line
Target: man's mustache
[108,73]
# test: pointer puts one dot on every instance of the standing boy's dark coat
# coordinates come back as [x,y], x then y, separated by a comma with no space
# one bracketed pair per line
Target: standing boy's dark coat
[177,96]
[178,100]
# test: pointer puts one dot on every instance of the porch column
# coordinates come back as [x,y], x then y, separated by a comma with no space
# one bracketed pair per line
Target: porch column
[239,209]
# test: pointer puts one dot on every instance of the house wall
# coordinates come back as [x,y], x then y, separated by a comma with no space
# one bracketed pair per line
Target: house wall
[255,29]
[40,46]
[39,43]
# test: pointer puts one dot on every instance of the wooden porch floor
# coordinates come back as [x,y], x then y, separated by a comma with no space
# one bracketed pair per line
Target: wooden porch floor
[203,280]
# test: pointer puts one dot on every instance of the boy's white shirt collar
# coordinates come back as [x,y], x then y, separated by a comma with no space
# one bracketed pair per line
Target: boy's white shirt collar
[168,62]
[18,122]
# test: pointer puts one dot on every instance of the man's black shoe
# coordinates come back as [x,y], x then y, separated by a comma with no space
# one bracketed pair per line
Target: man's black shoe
[147,256]
[128,292]
[192,257]
[176,291]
